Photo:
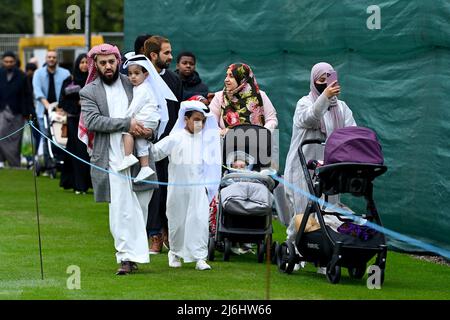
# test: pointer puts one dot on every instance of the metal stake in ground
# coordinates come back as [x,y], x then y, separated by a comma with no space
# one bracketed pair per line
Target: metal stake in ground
[34,151]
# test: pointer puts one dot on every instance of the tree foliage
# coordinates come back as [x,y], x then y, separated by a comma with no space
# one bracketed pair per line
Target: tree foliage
[16,16]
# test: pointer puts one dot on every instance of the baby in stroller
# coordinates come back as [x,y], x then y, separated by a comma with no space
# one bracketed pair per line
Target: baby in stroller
[239,161]
[244,204]
[55,127]
[236,161]
[58,124]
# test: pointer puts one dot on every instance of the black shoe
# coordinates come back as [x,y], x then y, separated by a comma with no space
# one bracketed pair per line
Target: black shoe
[134,266]
[125,268]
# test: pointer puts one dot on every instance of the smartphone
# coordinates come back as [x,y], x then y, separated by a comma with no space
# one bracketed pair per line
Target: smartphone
[332,76]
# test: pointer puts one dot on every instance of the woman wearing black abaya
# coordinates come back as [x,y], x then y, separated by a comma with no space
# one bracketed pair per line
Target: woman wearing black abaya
[76,174]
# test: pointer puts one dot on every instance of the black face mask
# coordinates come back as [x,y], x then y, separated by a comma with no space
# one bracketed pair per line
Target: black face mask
[320,86]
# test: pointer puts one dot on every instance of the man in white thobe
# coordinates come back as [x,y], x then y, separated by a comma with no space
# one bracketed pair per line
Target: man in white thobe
[104,103]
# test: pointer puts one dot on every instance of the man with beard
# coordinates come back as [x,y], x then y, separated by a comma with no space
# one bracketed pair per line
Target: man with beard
[104,103]
[47,83]
[159,51]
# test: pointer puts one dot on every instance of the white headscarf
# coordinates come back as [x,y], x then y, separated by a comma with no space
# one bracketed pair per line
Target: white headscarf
[159,87]
[212,156]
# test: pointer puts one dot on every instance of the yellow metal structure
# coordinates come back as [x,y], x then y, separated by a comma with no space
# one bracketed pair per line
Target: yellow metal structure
[54,42]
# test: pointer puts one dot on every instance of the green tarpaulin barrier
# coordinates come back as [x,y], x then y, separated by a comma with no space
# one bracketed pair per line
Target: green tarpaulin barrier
[393,60]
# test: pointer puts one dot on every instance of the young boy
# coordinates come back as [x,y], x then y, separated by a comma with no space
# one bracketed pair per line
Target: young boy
[193,148]
[143,108]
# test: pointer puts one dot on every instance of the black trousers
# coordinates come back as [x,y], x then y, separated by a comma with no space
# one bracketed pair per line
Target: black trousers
[157,219]
[75,174]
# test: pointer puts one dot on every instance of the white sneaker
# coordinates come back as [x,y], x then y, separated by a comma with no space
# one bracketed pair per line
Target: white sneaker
[2,164]
[202,265]
[299,266]
[174,260]
[143,174]
[321,270]
[127,162]
[236,250]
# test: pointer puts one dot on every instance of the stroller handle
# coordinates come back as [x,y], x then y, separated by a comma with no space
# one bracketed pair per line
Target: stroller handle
[312,141]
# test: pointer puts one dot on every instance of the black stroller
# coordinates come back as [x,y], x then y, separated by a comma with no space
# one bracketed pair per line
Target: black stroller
[245,198]
[53,128]
[353,159]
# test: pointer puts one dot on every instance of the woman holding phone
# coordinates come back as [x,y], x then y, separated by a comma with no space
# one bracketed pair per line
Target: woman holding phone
[316,116]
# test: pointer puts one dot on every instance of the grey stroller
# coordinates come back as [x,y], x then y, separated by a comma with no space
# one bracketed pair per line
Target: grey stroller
[245,197]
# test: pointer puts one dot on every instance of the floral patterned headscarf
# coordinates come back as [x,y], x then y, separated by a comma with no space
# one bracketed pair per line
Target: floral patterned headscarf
[242,105]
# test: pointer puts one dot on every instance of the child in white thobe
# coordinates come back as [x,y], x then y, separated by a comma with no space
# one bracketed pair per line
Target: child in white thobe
[146,107]
[193,148]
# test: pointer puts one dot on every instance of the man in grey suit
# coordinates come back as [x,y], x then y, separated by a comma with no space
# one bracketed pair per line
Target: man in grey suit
[104,102]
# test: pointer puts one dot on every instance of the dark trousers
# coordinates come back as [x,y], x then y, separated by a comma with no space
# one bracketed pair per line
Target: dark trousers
[75,174]
[36,135]
[157,219]
[45,130]
[10,148]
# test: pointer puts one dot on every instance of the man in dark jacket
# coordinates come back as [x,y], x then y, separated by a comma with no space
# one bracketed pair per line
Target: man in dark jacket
[15,106]
[192,84]
[159,51]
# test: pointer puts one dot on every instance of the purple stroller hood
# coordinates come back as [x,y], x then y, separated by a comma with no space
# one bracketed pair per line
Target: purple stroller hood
[353,144]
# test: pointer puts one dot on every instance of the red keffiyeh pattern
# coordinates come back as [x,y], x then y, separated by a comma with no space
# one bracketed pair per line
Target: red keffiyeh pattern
[84,135]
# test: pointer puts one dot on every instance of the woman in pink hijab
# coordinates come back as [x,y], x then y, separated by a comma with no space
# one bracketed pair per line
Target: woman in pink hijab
[316,116]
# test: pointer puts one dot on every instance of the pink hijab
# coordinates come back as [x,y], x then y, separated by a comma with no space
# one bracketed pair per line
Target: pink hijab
[316,72]
[103,49]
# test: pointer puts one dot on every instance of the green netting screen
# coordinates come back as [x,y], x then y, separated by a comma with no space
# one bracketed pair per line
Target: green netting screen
[394,72]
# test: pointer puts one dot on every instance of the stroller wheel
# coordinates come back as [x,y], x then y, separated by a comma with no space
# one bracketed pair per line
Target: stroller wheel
[38,168]
[53,173]
[286,257]
[282,257]
[333,274]
[261,251]
[227,250]
[357,272]
[273,252]
[211,248]
[382,277]
[291,258]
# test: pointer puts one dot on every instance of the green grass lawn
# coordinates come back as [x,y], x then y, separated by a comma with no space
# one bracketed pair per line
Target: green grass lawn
[75,231]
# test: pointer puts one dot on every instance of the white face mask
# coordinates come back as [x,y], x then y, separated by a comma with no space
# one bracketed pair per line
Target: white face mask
[198,126]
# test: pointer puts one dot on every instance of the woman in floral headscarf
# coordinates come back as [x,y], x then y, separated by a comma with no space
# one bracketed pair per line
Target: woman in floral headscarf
[241,101]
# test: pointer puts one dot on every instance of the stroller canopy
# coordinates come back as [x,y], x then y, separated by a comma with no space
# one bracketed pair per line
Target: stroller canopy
[353,144]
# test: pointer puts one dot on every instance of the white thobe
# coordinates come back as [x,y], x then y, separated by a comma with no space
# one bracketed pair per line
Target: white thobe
[144,108]
[307,126]
[187,206]
[127,209]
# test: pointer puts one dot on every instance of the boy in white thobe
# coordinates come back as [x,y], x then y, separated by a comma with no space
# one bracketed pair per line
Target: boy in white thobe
[193,147]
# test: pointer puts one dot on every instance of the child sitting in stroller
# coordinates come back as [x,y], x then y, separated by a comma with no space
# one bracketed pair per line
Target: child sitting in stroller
[241,161]
[246,202]
[236,161]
